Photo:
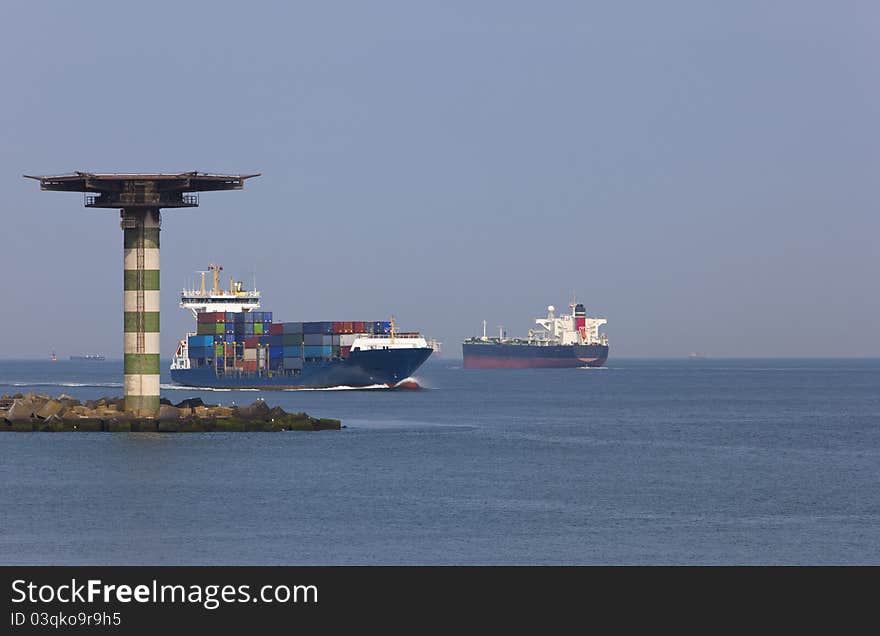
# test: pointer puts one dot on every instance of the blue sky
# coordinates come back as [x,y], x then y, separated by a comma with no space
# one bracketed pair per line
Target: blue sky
[701,175]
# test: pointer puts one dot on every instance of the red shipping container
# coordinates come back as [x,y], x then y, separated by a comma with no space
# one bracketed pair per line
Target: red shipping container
[348,327]
[276,329]
[344,351]
[251,342]
[357,326]
[249,365]
[337,327]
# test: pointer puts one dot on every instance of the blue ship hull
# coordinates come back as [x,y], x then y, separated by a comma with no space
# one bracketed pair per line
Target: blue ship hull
[524,356]
[359,369]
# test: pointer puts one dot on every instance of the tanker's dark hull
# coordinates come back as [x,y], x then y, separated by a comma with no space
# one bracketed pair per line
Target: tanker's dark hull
[492,355]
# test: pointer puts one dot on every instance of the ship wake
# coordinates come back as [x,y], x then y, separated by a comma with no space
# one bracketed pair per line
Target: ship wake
[183,387]
[407,383]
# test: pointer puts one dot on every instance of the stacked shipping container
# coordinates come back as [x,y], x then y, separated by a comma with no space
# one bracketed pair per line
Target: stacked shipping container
[250,341]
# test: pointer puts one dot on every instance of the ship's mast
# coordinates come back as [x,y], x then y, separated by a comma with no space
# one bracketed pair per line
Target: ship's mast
[484,330]
[216,270]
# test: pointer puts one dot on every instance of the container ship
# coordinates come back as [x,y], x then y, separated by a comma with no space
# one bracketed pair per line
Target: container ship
[91,357]
[570,340]
[237,346]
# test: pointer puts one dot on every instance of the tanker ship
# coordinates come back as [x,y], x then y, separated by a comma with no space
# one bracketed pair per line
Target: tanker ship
[237,346]
[570,340]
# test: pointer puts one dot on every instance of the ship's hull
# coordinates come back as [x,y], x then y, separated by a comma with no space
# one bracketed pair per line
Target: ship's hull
[524,356]
[359,369]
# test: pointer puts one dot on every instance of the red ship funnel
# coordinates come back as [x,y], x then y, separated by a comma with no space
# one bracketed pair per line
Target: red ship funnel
[580,320]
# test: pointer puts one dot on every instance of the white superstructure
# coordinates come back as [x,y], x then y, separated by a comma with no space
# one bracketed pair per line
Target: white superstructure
[393,340]
[568,329]
[236,299]
[384,341]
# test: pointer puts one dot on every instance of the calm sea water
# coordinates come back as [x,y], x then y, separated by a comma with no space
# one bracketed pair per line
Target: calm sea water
[643,462]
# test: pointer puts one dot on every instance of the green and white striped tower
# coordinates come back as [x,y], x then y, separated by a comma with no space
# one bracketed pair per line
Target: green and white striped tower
[140,197]
[140,227]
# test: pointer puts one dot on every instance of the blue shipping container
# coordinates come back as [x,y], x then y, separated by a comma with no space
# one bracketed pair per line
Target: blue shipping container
[200,341]
[313,327]
[292,327]
[317,352]
[201,352]
[291,352]
[271,341]
[381,326]
[313,339]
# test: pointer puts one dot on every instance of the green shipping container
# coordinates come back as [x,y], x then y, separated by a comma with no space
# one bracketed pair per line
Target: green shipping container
[206,329]
[218,349]
[292,339]
[258,329]
[220,328]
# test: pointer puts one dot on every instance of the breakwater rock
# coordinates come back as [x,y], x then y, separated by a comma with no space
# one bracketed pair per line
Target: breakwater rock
[34,412]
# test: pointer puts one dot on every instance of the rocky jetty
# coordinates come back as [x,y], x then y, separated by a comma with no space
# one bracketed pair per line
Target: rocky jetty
[34,412]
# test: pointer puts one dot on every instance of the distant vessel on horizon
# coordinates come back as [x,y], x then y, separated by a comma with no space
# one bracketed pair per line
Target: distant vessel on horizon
[696,355]
[92,357]
[53,357]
